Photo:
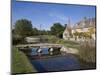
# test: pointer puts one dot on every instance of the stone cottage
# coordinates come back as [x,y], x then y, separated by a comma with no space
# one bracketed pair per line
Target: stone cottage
[82,26]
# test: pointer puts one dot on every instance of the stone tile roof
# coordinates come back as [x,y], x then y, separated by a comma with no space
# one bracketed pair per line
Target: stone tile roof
[91,22]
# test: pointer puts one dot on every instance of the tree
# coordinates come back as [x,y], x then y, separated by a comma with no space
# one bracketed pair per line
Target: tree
[87,35]
[91,30]
[57,29]
[35,31]
[23,27]
[76,35]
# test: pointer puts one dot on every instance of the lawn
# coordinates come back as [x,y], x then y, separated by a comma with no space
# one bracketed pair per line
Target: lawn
[69,44]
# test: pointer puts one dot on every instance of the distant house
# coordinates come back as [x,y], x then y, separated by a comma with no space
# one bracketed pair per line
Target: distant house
[81,27]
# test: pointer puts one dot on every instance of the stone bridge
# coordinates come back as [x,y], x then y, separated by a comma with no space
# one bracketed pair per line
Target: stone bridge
[41,45]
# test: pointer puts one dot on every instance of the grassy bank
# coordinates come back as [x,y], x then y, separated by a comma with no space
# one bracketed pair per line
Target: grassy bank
[86,65]
[68,43]
[20,62]
[86,55]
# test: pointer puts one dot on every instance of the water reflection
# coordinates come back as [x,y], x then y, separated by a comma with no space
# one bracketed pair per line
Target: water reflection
[59,63]
[34,51]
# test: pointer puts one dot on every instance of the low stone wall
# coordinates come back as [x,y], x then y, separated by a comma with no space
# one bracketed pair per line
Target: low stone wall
[32,39]
[69,50]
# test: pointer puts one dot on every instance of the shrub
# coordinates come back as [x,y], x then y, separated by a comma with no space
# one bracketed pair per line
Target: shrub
[17,39]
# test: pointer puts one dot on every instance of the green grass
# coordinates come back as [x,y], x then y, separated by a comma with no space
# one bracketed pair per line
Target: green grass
[68,43]
[20,62]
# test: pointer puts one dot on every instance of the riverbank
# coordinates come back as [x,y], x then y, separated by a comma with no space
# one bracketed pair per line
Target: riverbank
[21,63]
[84,51]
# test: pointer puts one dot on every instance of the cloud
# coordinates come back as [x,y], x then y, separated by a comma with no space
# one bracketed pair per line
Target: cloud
[58,15]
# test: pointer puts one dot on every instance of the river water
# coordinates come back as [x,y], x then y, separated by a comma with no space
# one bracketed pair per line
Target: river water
[55,63]
[44,51]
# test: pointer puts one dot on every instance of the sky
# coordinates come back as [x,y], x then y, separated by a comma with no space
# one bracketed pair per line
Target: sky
[46,14]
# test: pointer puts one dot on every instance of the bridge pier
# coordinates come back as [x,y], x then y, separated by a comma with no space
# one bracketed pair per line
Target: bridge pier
[50,51]
[53,48]
[39,51]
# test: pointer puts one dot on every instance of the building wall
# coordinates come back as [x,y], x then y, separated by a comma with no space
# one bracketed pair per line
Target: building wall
[65,35]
